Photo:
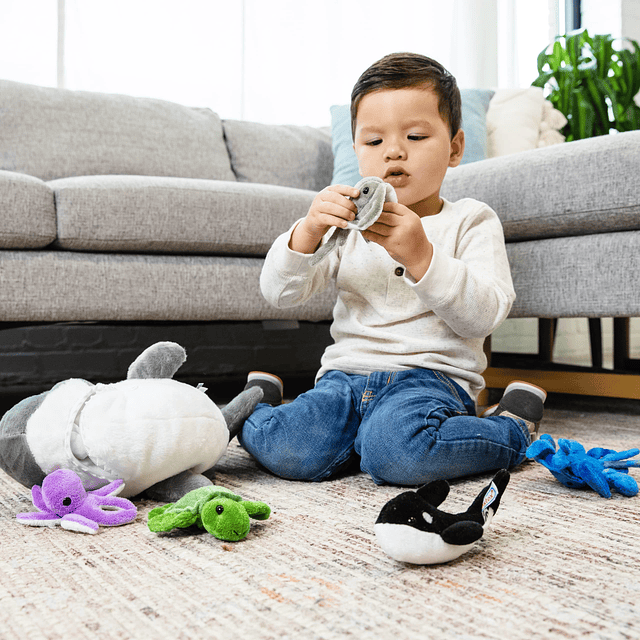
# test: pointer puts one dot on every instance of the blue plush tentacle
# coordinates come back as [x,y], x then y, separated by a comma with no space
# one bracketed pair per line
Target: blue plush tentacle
[599,468]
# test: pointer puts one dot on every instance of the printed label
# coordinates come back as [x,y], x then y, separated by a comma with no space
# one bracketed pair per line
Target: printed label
[489,498]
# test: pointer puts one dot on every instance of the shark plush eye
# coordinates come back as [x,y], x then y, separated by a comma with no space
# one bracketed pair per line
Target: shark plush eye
[427,517]
[365,190]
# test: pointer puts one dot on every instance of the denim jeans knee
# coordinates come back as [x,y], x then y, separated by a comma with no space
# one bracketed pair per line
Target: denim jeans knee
[423,427]
[310,438]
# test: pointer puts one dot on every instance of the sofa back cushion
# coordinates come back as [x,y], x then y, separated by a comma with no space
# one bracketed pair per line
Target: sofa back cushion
[55,133]
[27,212]
[284,155]
[152,214]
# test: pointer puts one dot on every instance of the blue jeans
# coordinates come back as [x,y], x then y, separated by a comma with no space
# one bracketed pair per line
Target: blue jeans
[407,428]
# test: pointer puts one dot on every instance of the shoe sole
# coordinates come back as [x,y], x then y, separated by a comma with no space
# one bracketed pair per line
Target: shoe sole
[264,375]
[512,386]
[526,386]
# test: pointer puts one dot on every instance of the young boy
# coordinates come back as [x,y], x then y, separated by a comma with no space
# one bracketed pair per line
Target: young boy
[396,390]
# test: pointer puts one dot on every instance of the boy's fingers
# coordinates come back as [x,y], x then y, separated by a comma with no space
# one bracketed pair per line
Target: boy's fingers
[393,208]
[332,197]
[336,209]
[344,190]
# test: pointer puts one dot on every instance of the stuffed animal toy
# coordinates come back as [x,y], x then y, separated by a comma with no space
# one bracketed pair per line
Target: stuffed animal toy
[601,469]
[374,192]
[63,500]
[222,513]
[411,528]
[156,434]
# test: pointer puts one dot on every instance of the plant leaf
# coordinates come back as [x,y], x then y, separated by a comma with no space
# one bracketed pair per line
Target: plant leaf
[592,82]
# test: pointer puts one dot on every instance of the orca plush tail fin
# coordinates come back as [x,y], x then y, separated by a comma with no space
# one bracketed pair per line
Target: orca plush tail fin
[488,500]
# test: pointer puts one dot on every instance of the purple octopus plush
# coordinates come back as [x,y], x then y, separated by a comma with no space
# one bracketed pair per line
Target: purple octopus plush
[63,500]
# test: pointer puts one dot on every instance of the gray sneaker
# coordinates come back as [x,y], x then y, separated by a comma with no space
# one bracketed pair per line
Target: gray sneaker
[524,401]
[270,384]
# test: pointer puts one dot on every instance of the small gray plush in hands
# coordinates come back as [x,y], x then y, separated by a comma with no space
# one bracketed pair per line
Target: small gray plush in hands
[374,192]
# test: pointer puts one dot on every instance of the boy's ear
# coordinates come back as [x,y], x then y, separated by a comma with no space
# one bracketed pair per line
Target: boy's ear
[457,149]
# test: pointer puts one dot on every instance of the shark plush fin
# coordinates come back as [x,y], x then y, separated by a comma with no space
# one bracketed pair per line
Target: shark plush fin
[160,360]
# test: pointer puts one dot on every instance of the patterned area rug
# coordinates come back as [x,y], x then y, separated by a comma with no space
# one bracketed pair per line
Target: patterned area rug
[556,563]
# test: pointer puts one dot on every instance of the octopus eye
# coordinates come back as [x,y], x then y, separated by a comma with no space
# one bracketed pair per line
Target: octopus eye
[66,502]
[365,190]
[219,509]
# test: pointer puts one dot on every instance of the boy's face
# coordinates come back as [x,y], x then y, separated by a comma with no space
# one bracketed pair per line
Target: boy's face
[401,137]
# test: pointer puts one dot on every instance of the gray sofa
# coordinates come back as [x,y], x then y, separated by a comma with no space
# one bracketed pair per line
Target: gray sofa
[122,214]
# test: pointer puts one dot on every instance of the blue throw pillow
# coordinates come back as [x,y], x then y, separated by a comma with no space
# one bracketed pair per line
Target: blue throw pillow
[475,104]
[345,163]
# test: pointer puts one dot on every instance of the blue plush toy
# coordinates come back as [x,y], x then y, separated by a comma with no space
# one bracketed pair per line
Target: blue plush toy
[601,469]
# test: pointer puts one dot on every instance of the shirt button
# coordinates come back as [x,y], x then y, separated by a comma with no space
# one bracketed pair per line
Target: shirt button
[399,271]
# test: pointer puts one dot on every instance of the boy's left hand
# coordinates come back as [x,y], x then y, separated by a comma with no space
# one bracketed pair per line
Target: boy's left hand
[400,232]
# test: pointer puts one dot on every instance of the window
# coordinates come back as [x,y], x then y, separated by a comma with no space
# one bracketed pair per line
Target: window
[275,61]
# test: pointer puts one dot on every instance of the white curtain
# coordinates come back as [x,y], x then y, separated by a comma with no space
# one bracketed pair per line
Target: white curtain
[274,61]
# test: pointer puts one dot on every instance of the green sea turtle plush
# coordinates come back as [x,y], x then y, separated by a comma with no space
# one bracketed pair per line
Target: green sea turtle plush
[223,514]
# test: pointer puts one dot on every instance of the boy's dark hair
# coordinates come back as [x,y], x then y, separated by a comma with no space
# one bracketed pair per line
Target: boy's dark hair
[408,70]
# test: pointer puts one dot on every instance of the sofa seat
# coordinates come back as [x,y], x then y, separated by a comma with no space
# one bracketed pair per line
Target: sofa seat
[55,286]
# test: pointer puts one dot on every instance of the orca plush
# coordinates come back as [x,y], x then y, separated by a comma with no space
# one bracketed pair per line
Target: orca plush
[411,528]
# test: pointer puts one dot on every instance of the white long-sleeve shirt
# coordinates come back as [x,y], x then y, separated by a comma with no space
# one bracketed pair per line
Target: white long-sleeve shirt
[386,321]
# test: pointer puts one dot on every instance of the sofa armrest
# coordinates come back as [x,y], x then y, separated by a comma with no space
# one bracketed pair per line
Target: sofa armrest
[575,188]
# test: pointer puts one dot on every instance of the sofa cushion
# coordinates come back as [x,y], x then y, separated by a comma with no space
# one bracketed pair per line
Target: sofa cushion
[54,133]
[27,212]
[576,188]
[50,286]
[285,155]
[173,215]
[576,277]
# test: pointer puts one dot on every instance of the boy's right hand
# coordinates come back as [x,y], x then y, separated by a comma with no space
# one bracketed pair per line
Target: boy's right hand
[330,208]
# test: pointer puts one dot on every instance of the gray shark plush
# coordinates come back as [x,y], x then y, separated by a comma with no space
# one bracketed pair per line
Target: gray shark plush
[156,434]
[374,192]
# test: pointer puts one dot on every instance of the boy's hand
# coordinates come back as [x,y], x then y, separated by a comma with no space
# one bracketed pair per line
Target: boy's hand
[330,208]
[400,231]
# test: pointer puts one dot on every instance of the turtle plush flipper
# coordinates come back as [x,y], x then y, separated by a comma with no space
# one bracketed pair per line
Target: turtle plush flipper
[256,510]
[165,519]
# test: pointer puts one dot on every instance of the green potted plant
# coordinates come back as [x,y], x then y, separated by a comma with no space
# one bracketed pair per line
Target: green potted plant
[592,82]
